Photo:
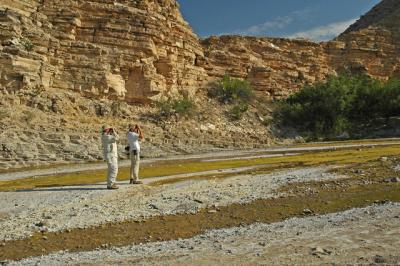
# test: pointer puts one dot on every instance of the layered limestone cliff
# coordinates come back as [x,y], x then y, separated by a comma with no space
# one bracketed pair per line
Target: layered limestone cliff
[278,67]
[142,50]
[132,50]
[120,52]
[275,67]
[372,43]
[385,15]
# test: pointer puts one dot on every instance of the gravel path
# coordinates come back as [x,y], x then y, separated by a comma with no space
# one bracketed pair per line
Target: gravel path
[359,236]
[84,206]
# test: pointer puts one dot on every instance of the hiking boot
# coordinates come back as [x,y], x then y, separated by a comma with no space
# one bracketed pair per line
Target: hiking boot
[113,186]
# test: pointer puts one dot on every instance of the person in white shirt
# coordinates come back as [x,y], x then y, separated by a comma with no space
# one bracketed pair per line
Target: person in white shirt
[109,140]
[134,135]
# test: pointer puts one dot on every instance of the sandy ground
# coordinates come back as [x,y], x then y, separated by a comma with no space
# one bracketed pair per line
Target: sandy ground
[364,236]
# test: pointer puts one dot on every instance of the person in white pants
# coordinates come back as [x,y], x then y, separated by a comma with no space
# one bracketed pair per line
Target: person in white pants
[134,135]
[109,140]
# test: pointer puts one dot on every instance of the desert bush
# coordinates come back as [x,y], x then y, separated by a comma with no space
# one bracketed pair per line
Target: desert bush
[181,107]
[341,103]
[27,44]
[231,90]
[238,111]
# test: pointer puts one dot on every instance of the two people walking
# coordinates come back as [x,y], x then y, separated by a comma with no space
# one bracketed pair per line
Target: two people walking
[109,139]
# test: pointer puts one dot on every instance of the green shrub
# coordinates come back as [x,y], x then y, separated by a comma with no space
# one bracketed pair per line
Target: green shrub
[182,107]
[238,110]
[341,103]
[27,44]
[165,108]
[231,90]
[389,100]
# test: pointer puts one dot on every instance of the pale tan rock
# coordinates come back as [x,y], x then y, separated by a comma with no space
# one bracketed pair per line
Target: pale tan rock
[74,44]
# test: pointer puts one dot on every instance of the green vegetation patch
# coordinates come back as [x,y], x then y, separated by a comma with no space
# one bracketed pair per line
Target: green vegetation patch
[341,104]
[181,107]
[232,90]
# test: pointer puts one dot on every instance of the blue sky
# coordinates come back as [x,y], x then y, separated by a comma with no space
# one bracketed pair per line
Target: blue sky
[317,20]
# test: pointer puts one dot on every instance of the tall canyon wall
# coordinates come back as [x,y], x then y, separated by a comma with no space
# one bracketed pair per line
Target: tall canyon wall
[131,50]
[140,50]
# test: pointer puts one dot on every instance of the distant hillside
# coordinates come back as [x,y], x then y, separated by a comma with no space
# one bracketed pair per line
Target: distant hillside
[386,14]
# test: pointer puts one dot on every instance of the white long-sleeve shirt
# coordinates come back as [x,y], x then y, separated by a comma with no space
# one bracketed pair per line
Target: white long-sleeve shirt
[109,142]
[133,141]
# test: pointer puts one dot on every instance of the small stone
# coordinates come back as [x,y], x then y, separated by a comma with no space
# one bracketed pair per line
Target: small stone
[212,211]
[381,201]
[40,224]
[263,244]
[307,212]
[153,206]
[379,259]
[44,229]
[317,251]
[44,238]
[392,179]
[384,159]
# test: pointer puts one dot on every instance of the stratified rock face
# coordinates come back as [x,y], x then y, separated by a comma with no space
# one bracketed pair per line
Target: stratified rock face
[277,67]
[127,49]
[386,15]
[140,50]
[374,51]
[372,43]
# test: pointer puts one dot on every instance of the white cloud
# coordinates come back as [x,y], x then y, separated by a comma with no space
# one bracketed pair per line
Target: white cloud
[275,24]
[324,33]
[278,23]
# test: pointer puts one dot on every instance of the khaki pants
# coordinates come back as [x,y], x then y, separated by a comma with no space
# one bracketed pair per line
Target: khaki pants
[135,161]
[112,164]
